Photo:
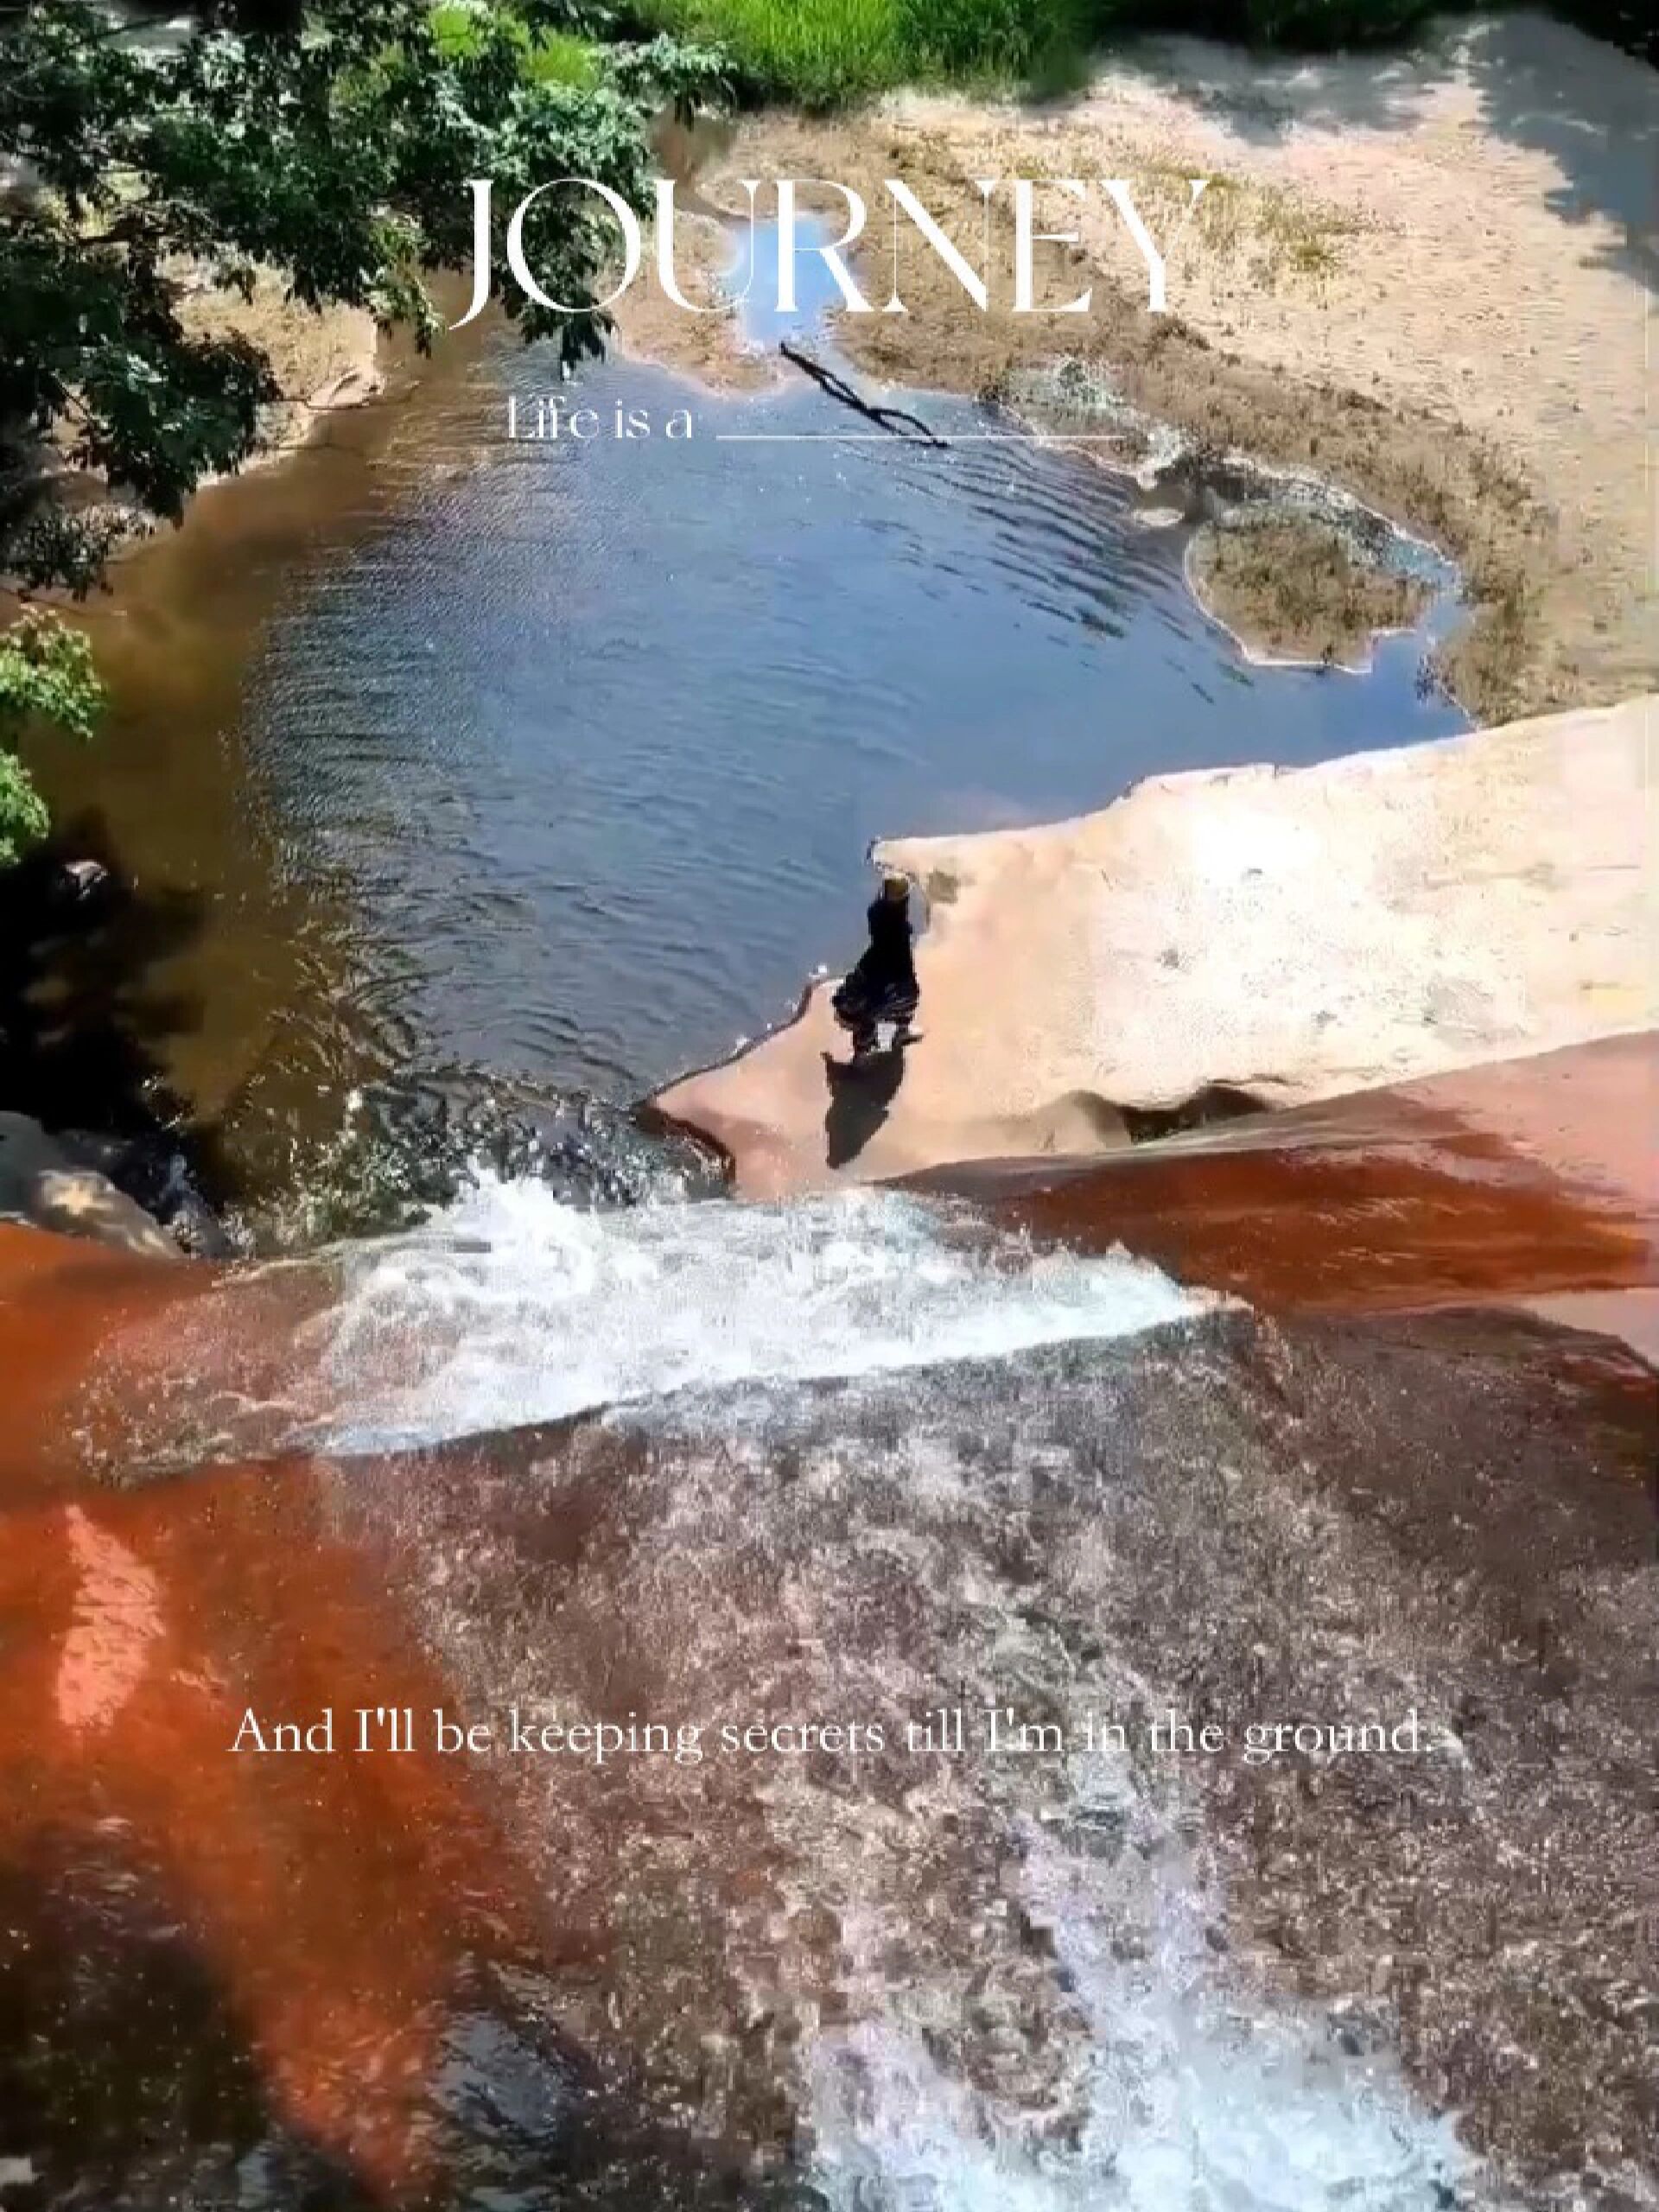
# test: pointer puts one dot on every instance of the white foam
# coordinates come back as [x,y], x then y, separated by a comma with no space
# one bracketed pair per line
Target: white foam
[512,1308]
[1242,2125]
[1193,2100]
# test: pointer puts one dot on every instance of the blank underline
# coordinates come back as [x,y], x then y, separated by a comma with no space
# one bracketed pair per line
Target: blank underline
[886,437]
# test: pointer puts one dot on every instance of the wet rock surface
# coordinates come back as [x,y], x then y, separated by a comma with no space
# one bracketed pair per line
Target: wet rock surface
[100,1148]
[795,1964]
[967,1456]
[1523,1182]
[44,1182]
[1287,935]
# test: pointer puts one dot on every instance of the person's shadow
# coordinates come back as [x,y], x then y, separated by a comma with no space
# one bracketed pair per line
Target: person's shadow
[861,1092]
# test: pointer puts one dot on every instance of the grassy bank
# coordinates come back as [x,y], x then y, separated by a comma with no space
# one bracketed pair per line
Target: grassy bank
[827,53]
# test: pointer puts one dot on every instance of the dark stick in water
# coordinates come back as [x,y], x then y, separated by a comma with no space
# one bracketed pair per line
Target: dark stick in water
[886,418]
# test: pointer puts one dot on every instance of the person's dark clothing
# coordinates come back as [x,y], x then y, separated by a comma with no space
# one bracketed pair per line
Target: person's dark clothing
[886,969]
[882,987]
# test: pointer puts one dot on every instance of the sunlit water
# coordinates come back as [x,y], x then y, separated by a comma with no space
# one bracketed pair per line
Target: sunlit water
[599,734]
[511,1307]
[524,775]
[572,752]
[587,738]
[838,1458]
[877,1348]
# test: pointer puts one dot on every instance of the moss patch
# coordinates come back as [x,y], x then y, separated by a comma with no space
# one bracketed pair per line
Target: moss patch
[1295,588]
[1435,477]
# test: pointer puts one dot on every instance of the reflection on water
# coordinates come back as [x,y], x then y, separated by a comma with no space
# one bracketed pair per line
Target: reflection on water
[556,761]
[598,735]
[591,744]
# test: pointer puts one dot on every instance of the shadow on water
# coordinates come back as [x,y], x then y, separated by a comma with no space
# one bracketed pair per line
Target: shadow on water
[112,2038]
[230,1982]
[86,1018]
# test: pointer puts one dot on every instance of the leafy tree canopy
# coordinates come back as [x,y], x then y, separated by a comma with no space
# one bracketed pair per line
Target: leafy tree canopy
[333,145]
[328,140]
[45,675]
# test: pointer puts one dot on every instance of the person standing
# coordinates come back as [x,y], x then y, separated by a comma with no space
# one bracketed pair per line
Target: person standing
[882,987]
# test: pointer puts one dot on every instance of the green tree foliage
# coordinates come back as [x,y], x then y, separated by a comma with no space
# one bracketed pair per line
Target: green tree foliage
[328,140]
[333,145]
[46,678]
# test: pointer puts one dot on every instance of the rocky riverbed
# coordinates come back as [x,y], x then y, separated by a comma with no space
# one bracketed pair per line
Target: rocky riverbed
[920,1468]
[1117,1672]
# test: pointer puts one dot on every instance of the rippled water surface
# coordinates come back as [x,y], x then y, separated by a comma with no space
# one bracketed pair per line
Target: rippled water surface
[600,733]
[549,769]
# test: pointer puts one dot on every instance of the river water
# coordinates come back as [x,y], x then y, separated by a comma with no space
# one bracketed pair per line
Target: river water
[473,787]
[848,1462]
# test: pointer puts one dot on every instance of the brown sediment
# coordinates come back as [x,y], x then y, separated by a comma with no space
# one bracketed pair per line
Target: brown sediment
[1294,589]
[1435,330]
[1446,482]
[117,1364]
[63,1304]
[1379,1227]
[325,361]
[1311,1519]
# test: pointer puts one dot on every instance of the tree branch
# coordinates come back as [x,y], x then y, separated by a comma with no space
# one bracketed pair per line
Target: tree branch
[894,419]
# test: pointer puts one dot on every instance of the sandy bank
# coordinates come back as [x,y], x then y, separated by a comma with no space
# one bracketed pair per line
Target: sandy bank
[1425,275]
[324,360]
[1286,936]
[706,340]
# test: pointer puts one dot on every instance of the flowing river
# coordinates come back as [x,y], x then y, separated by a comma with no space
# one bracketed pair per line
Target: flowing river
[470,788]
[864,1461]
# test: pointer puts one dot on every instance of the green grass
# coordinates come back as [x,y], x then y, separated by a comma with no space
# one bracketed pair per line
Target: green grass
[560,58]
[1038,43]
[827,52]
[822,53]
